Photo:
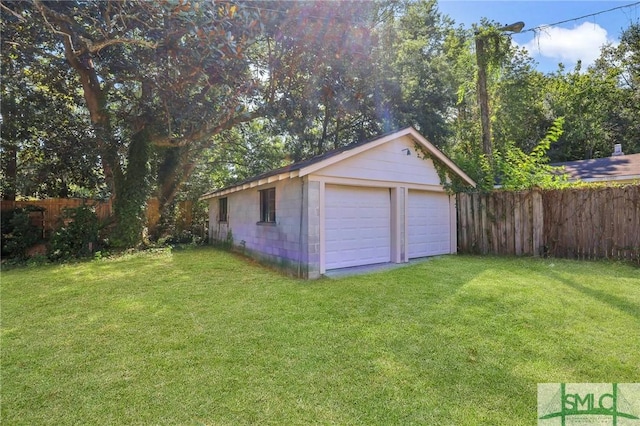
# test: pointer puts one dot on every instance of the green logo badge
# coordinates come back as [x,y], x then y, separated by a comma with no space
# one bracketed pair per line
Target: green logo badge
[616,404]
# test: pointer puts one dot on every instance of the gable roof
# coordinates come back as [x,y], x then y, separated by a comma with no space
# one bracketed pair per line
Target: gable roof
[621,167]
[303,168]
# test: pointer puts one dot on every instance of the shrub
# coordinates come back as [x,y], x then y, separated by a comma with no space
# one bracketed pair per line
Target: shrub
[18,234]
[78,237]
[519,170]
[174,229]
[183,237]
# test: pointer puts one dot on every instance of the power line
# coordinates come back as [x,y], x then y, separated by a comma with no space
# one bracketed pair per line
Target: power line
[388,15]
[543,27]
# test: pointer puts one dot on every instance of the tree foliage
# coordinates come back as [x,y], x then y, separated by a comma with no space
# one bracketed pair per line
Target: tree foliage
[47,144]
[319,61]
[518,170]
[129,99]
[597,105]
[18,234]
[420,68]
[172,73]
[78,235]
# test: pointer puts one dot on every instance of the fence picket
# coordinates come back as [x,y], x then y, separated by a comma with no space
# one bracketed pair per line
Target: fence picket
[585,223]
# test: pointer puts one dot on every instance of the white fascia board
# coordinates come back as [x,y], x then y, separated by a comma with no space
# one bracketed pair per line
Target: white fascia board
[252,184]
[333,180]
[418,138]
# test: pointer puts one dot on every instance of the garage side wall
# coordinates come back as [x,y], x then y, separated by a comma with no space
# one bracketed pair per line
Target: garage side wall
[284,243]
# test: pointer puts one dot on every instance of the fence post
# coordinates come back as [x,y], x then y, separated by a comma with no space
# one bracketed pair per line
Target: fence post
[538,222]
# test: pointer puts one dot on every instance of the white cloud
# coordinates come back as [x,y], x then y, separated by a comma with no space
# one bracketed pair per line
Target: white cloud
[583,42]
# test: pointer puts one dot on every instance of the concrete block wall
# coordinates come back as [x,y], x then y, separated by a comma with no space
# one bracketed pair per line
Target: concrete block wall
[312,227]
[283,244]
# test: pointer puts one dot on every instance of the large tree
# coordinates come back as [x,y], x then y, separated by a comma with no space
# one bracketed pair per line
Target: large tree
[159,79]
[419,64]
[47,144]
[621,64]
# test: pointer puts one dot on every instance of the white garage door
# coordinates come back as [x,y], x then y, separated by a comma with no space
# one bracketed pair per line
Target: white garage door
[429,224]
[357,226]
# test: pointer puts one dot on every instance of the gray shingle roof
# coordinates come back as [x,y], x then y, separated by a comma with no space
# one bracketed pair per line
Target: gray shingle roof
[603,169]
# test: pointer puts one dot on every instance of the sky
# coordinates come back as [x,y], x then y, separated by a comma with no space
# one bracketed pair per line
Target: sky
[564,43]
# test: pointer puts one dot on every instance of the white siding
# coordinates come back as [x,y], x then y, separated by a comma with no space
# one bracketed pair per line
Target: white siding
[387,162]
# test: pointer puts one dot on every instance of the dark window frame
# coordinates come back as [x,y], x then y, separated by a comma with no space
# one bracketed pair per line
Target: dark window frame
[223,209]
[268,205]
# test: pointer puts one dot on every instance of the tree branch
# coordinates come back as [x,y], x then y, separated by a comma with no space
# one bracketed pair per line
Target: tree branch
[95,47]
[44,11]
[206,131]
[17,15]
[36,49]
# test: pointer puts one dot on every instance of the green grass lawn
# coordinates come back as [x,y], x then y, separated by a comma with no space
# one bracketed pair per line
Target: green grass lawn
[205,337]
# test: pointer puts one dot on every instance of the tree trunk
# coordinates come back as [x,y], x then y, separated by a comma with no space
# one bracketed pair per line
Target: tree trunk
[129,206]
[10,144]
[175,170]
[94,96]
[325,127]
[483,99]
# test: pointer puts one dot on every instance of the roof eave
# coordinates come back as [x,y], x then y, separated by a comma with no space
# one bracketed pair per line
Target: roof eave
[630,178]
[250,184]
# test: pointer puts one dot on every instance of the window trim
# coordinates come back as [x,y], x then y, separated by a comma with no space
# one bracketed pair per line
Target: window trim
[268,206]
[223,218]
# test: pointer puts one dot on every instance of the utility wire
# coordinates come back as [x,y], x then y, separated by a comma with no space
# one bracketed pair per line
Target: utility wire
[389,14]
[385,18]
[543,27]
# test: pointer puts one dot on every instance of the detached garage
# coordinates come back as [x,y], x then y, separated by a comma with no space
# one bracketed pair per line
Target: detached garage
[378,201]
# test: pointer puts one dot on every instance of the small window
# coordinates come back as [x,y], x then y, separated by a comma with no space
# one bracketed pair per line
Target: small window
[222,209]
[268,205]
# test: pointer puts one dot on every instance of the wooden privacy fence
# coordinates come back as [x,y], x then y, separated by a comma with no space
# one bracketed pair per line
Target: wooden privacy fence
[500,223]
[50,218]
[585,223]
[594,223]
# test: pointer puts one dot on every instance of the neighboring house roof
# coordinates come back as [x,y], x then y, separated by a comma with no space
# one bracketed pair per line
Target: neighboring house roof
[616,168]
[306,167]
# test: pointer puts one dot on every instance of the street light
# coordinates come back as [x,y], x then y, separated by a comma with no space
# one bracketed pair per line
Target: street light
[483,96]
[516,27]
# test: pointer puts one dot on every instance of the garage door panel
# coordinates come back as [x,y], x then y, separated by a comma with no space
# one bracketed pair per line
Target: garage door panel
[429,224]
[357,226]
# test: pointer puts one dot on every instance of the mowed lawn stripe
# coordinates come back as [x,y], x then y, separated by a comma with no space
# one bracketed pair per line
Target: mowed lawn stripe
[203,336]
